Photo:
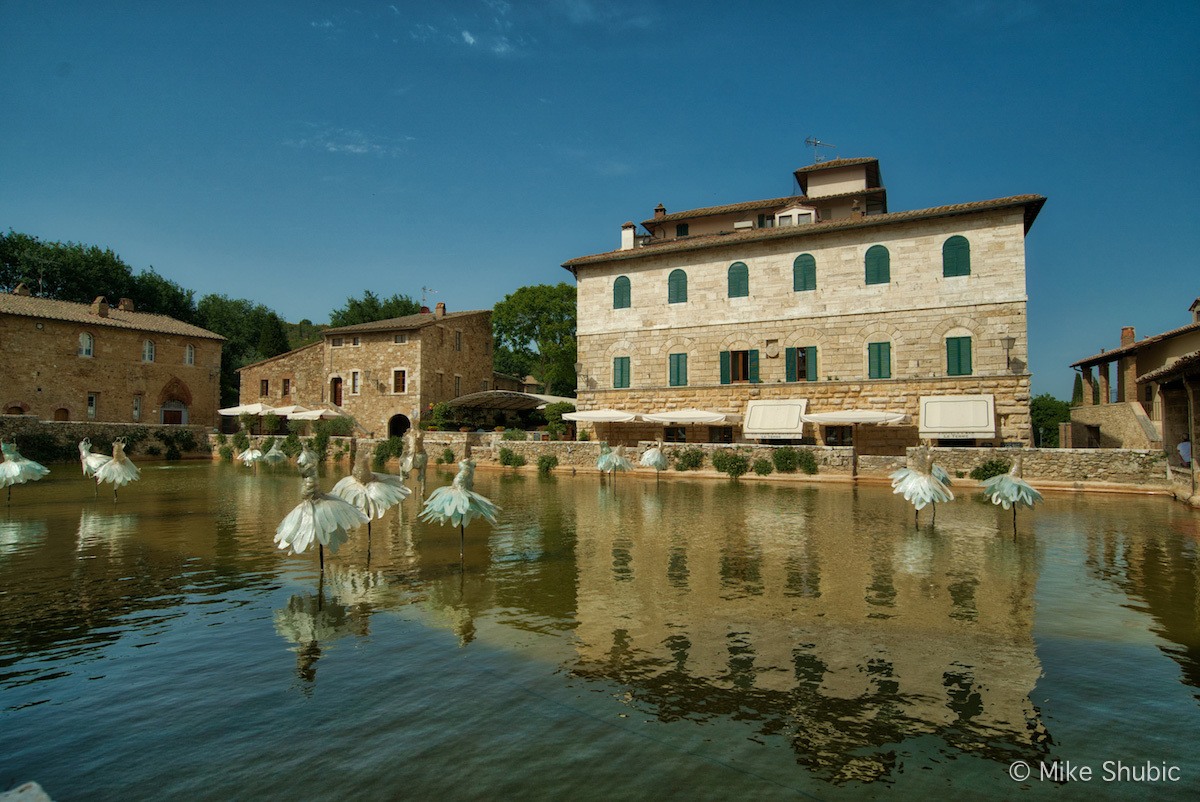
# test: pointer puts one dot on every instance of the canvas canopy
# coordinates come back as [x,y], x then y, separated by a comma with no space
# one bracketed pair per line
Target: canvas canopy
[848,417]
[247,409]
[775,419]
[601,416]
[688,416]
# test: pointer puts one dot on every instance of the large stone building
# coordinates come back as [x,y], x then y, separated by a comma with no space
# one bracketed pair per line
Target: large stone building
[67,361]
[384,374]
[1148,408]
[818,302]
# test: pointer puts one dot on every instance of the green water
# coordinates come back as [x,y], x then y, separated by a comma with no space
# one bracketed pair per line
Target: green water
[685,640]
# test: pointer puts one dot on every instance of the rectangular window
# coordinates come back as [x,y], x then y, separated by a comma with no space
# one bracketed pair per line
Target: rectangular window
[399,381]
[400,339]
[801,364]
[457,385]
[720,434]
[674,434]
[189,354]
[786,220]
[803,219]
[739,366]
[287,387]
[137,408]
[487,385]
[458,341]
[839,435]
[879,360]
[355,382]
[93,401]
[264,387]
[958,356]
[681,229]
[336,342]
[620,372]
[355,341]
[677,370]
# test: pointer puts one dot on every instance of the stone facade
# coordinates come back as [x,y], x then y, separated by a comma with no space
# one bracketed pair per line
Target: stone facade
[74,362]
[916,311]
[59,440]
[386,374]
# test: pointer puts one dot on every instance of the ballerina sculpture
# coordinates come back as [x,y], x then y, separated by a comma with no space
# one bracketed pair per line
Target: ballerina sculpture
[119,470]
[319,516]
[613,461]
[653,457]
[251,456]
[91,462]
[918,484]
[1010,490]
[275,455]
[458,502]
[17,470]
[373,493]
[415,458]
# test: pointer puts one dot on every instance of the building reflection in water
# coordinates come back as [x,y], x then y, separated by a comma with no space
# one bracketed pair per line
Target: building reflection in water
[829,623]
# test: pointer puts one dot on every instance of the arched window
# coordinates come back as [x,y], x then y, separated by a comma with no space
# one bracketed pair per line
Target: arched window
[677,287]
[621,293]
[148,351]
[879,265]
[958,356]
[956,257]
[804,273]
[739,280]
[87,345]
[189,354]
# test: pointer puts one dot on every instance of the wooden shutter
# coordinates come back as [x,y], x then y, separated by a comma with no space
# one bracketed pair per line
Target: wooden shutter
[810,363]
[621,293]
[677,287]
[956,257]
[739,280]
[789,356]
[878,265]
[725,367]
[753,372]
[958,356]
[804,273]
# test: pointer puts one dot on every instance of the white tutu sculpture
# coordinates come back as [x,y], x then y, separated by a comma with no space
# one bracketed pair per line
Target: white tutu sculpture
[458,502]
[653,457]
[275,455]
[1009,490]
[250,456]
[119,470]
[918,484]
[90,462]
[613,461]
[17,470]
[319,516]
[415,458]
[373,493]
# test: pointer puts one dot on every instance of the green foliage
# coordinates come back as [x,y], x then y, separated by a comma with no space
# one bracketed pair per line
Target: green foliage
[555,426]
[534,331]
[241,441]
[993,467]
[786,459]
[226,453]
[370,308]
[176,442]
[319,443]
[270,423]
[546,463]
[689,459]
[731,463]
[807,461]
[448,456]
[292,445]
[439,415]
[303,333]
[1077,391]
[514,434]
[511,459]
[584,436]
[252,333]
[393,447]
[222,439]
[1045,413]
[337,427]
[154,451]
[246,421]
[763,467]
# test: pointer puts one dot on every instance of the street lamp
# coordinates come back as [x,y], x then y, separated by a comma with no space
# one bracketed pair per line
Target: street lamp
[1008,343]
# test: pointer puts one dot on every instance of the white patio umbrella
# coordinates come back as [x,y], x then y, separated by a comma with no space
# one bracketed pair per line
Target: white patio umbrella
[314,414]
[853,417]
[601,416]
[247,409]
[284,412]
[689,415]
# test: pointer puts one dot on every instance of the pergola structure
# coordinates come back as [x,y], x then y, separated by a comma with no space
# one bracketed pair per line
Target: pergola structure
[507,400]
[1178,386]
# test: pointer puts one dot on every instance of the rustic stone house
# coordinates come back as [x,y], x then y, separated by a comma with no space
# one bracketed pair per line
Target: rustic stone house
[77,362]
[385,374]
[825,301]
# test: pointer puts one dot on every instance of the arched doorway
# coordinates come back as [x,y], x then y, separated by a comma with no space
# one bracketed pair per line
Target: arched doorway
[14,411]
[62,413]
[335,390]
[174,413]
[398,425]
[173,403]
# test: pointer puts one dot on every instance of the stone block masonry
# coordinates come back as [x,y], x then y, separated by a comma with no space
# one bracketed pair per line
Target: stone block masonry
[58,441]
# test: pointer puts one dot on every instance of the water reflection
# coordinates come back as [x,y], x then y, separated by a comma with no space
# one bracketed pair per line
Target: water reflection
[309,621]
[17,536]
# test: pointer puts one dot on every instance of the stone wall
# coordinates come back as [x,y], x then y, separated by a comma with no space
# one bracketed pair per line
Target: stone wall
[59,440]
[1122,425]
[1118,466]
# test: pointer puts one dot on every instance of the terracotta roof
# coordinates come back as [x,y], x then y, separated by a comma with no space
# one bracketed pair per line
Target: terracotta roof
[68,311]
[1187,363]
[1031,203]
[745,206]
[406,323]
[835,163]
[1109,356]
[293,352]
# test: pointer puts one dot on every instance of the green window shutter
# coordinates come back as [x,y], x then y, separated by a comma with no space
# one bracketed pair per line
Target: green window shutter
[739,280]
[878,263]
[621,293]
[958,356]
[804,273]
[753,366]
[789,358]
[621,372]
[678,370]
[677,287]
[879,360]
[810,363]
[725,372]
[956,257]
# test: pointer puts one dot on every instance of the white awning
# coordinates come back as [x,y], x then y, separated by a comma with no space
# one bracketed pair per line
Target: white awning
[689,416]
[847,417]
[247,409]
[958,417]
[775,419]
[601,416]
[314,414]
[284,412]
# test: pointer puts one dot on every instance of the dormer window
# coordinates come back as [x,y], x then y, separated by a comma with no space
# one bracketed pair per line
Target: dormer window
[681,229]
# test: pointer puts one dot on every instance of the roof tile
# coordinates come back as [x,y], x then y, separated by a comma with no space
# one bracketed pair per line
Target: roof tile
[71,312]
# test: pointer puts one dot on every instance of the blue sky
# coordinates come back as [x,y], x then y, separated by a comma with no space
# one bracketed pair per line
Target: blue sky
[296,153]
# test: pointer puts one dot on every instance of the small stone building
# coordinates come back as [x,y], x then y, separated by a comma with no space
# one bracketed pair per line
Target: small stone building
[386,374]
[1147,408]
[66,361]
[822,302]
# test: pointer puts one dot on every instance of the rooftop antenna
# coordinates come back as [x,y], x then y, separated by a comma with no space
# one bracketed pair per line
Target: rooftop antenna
[816,144]
[426,291]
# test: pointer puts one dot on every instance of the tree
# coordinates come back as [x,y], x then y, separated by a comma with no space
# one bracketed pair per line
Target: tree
[1077,391]
[534,330]
[369,308]
[1045,413]
[252,333]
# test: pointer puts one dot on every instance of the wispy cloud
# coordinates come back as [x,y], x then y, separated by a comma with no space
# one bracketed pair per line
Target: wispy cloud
[323,24]
[468,38]
[349,141]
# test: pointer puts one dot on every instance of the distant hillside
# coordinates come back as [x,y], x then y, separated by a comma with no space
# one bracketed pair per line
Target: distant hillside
[302,333]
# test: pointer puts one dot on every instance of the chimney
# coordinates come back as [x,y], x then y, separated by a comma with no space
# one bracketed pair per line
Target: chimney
[424,309]
[439,311]
[126,305]
[1127,336]
[660,211]
[100,306]
[856,207]
[1195,310]
[627,232]
[21,290]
